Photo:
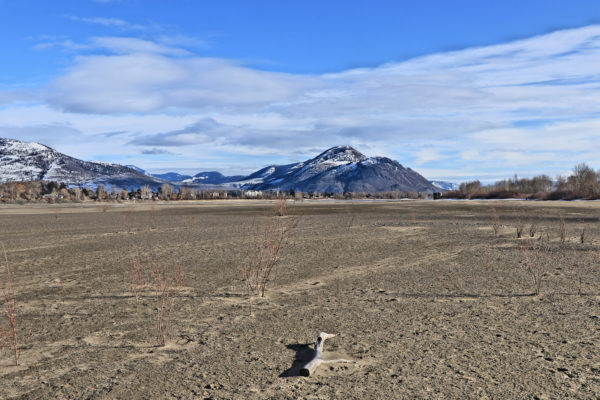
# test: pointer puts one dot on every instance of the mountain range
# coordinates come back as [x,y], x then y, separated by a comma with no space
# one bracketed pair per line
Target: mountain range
[336,170]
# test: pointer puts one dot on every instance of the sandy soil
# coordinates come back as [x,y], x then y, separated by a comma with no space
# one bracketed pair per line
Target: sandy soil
[422,294]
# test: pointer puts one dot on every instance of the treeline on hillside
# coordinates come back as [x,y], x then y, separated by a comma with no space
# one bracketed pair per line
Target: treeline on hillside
[581,184]
[55,192]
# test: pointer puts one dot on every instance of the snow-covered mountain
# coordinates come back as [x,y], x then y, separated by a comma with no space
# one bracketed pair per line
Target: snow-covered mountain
[172,176]
[138,169]
[212,178]
[444,185]
[25,161]
[339,169]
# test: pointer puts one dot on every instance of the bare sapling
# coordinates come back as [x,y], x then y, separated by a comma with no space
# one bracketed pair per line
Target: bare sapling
[9,336]
[136,278]
[280,206]
[262,253]
[129,219]
[167,282]
[596,261]
[582,235]
[576,271]
[562,229]
[533,227]
[152,217]
[544,235]
[536,257]
[351,220]
[164,281]
[495,217]
[520,227]
[189,222]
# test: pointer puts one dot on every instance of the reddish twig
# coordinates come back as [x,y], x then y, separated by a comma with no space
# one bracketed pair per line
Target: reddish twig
[12,313]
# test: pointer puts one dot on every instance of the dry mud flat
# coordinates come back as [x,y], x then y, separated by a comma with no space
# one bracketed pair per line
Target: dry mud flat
[423,296]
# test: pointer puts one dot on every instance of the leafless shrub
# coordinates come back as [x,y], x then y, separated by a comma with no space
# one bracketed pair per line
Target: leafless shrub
[575,268]
[152,217]
[520,226]
[536,257]
[582,235]
[562,229]
[495,219]
[544,235]
[280,207]
[413,216]
[164,280]
[189,222]
[351,220]
[262,253]
[129,219]
[533,227]
[167,282]
[10,337]
[136,278]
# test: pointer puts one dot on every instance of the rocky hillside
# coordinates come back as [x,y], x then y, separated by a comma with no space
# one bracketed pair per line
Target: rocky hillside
[26,161]
[339,169]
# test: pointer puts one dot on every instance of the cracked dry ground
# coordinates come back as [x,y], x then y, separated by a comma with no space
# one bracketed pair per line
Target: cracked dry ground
[423,296]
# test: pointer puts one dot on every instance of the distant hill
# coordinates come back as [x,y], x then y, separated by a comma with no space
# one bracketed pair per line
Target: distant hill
[337,170]
[213,177]
[172,176]
[26,161]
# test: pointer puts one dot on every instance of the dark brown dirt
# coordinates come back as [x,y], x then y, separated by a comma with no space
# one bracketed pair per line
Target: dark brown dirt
[423,296]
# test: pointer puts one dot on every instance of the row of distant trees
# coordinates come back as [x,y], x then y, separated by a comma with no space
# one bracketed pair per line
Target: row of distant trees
[59,192]
[583,183]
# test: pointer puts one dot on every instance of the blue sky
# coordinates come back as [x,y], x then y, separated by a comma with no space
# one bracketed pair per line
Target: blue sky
[454,89]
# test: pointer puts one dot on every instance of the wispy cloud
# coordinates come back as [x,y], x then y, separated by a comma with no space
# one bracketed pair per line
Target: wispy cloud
[197,133]
[127,45]
[67,44]
[184,41]
[155,151]
[108,22]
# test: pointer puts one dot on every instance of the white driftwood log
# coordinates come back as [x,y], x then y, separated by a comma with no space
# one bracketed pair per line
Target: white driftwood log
[317,357]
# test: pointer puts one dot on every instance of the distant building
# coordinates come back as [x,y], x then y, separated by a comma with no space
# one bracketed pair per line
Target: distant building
[253,194]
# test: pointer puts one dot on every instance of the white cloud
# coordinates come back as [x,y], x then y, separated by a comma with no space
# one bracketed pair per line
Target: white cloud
[427,155]
[125,45]
[61,43]
[108,22]
[184,41]
[527,105]
[145,81]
